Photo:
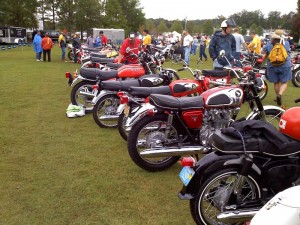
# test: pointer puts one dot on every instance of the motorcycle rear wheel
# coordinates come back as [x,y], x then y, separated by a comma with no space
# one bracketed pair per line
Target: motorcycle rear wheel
[121,121]
[150,131]
[296,77]
[79,99]
[217,188]
[106,106]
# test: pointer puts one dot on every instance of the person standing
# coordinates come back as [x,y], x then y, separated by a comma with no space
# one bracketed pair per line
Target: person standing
[147,38]
[62,44]
[47,44]
[279,75]
[103,38]
[194,46]
[186,44]
[255,45]
[90,41]
[239,41]
[98,40]
[37,47]
[132,43]
[76,43]
[223,40]
[202,48]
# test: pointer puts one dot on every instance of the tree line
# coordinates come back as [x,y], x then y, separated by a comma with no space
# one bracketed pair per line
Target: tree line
[75,15]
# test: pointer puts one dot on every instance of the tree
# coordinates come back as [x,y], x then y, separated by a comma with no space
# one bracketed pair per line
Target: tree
[162,27]
[208,28]
[149,24]
[274,19]
[177,26]
[66,15]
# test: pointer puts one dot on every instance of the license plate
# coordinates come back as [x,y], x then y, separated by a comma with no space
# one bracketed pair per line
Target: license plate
[186,175]
[126,110]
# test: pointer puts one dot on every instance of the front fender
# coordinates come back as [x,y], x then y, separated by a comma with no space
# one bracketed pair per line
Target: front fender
[253,114]
[211,162]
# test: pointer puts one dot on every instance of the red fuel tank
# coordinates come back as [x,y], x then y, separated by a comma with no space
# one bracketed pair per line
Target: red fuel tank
[131,71]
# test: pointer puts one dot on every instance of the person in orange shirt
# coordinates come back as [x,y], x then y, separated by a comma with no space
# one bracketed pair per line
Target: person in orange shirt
[47,44]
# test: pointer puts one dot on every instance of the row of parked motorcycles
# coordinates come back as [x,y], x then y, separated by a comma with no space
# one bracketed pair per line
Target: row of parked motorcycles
[234,166]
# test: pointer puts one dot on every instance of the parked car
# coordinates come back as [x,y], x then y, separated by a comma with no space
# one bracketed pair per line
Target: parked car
[53,34]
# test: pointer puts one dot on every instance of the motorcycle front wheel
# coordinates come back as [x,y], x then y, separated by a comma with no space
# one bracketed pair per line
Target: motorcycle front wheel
[81,95]
[296,77]
[272,117]
[216,192]
[105,111]
[148,133]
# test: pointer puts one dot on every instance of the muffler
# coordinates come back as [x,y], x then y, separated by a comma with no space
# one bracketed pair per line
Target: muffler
[237,216]
[163,152]
[109,117]
[87,94]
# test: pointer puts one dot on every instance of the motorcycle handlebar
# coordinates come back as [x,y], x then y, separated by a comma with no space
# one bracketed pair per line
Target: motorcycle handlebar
[297,100]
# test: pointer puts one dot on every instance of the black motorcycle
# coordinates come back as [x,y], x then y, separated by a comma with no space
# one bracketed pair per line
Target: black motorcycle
[251,162]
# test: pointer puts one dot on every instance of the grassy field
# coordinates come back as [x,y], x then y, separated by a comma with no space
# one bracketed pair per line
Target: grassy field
[57,170]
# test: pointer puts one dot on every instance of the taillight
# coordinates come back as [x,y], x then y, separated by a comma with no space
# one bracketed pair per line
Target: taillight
[68,74]
[95,87]
[150,112]
[147,100]
[188,161]
[120,94]
[124,99]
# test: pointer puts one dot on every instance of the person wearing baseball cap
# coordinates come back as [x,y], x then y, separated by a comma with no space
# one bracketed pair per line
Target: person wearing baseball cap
[129,46]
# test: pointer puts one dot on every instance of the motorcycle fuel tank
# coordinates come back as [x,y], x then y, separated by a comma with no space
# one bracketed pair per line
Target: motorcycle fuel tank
[131,71]
[181,88]
[223,96]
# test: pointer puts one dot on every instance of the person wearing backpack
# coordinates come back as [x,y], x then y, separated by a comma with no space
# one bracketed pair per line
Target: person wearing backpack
[279,63]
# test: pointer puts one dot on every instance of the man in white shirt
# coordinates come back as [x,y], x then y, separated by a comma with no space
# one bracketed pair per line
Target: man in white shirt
[239,41]
[186,44]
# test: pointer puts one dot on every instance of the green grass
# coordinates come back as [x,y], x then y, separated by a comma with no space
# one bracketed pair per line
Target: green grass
[58,170]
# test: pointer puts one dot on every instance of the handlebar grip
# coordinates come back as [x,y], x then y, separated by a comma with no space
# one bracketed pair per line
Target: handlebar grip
[181,69]
[297,100]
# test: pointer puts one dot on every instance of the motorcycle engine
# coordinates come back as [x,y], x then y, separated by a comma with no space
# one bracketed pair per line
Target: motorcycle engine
[213,120]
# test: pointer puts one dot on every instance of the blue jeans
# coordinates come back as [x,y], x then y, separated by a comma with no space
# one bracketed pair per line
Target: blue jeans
[202,52]
[63,53]
[193,49]
[237,56]
[39,55]
[187,52]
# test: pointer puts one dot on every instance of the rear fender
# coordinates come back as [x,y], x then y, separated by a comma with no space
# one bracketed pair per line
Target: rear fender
[102,94]
[253,114]
[139,114]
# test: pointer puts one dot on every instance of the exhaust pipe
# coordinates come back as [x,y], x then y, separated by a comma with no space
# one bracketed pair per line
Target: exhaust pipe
[163,152]
[109,117]
[87,94]
[237,216]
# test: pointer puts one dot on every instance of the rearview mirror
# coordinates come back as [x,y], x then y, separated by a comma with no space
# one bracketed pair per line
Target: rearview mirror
[222,53]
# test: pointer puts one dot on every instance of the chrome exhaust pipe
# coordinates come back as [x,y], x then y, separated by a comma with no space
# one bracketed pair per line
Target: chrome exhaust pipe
[109,117]
[87,94]
[237,216]
[163,152]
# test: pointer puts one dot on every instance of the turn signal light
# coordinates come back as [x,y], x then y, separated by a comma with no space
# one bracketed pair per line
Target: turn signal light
[150,112]
[147,100]
[188,161]
[68,74]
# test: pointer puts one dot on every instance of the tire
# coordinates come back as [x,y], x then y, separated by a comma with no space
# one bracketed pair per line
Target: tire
[71,55]
[121,129]
[105,106]
[150,164]
[272,116]
[296,77]
[81,100]
[215,189]
[263,93]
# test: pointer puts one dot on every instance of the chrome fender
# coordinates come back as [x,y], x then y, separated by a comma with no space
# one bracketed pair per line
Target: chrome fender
[101,94]
[78,79]
[140,113]
[253,114]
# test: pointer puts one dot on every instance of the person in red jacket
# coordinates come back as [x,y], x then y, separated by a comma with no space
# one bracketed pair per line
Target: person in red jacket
[103,38]
[129,46]
[47,44]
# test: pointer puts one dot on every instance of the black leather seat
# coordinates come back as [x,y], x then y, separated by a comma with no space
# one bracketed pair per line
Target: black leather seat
[173,103]
[215,73]
[91,49]
[97,54]
[144,92]
[259,145]
[119,85]
[114,65]
[159,47]
[101,60]
[94,74]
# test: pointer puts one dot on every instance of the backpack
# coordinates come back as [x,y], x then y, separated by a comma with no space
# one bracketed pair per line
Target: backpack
[278,55]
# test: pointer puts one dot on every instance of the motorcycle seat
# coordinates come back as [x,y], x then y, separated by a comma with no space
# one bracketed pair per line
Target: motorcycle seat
[144,92]
[215,73]
[173,103]
[255,145]
[118,85]
[94,73]
[114,65]
[97,54]
[91,49]
[102,60]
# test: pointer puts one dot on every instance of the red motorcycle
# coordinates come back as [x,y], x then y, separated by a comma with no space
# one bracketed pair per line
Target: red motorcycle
[182,126]
[252,161]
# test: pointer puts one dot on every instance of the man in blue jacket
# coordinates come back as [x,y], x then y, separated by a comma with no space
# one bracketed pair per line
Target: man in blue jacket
[37,46]
[223,40]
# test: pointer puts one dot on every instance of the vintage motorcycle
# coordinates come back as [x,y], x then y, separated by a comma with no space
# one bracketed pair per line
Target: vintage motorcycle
[175,127]
[296,70]
[251,162]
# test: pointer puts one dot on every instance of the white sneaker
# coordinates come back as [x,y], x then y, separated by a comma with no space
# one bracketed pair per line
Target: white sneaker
[37,60]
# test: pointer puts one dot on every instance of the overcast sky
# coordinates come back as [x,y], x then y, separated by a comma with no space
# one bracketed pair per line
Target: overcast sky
[210,9]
